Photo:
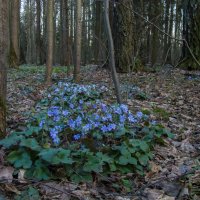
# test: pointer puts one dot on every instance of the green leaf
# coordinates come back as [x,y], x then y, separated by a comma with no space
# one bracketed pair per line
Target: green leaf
[104,157]
[133,161]
[83,177]
[123,160]
[127,184]
[113,167]
[39,171]
[143,159]
[11,140]
[93,165]
[144,146]
[20,158]
[56,156]
[30,143]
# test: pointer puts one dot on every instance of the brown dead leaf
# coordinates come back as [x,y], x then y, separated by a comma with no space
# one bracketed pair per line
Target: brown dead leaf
[12,188]
[6,174]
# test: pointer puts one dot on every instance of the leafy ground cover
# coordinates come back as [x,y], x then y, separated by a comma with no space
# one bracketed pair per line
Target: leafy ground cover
[86,143]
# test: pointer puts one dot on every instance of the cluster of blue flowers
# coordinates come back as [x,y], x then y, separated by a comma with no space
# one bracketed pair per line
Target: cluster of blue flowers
[71,109]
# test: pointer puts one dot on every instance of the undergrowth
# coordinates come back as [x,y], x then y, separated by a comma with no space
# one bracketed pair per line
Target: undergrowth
[73,133]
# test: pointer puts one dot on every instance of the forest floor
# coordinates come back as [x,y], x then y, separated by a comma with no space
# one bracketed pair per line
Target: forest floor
[173,99]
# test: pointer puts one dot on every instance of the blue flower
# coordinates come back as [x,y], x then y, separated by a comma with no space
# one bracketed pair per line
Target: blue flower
[96,117]
[104,128]
[56,90]
[65,112]
[42,122]
[124,108]
[139,115]
[81,101]
[78,121]
[87,127]
[77,136]
[56,99]
[53,111]
[132,119]
[154,122]
[54,135]
[71,106]
[122,118]
[94,106]
[56,118]
[103,107]
[117,110]
[111,127]
[96,124]
[109,116]
[71,123]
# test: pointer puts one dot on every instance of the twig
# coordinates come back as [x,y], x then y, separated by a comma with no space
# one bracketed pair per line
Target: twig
[29,181]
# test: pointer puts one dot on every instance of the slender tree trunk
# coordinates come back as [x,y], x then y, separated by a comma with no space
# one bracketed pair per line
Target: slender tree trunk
[155,34]
[14,28]
[49,41]
[166,23]
[4,24]
[98,27]
[78,41]
[112,54]
[38,34]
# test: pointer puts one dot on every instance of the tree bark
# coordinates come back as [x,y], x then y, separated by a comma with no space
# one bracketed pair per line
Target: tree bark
[191,33]
[4,24]
[38,34]
[14,29]
[50,44]
[78,41]
[123,29]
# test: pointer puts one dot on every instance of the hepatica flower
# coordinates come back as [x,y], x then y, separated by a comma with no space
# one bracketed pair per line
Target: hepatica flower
[111,127]
[122,119]
[65,113]
[139,115]
[42,122]
[77,136]
[104,128]
[54,135]
[87,127]
[132,119]
[124,108]
[71,124]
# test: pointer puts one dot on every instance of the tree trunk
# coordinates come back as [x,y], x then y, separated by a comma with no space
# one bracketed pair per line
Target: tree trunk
[123,28]
[50,44]
[14,57]
[155,34]
[4,24]
[65,44]
[191,34]
[78,41]
[38,34]
[98,32]
[112,54]
[166,29]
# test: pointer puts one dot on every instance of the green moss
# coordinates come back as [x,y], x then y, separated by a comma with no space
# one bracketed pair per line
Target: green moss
[162,113]
[12,59]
